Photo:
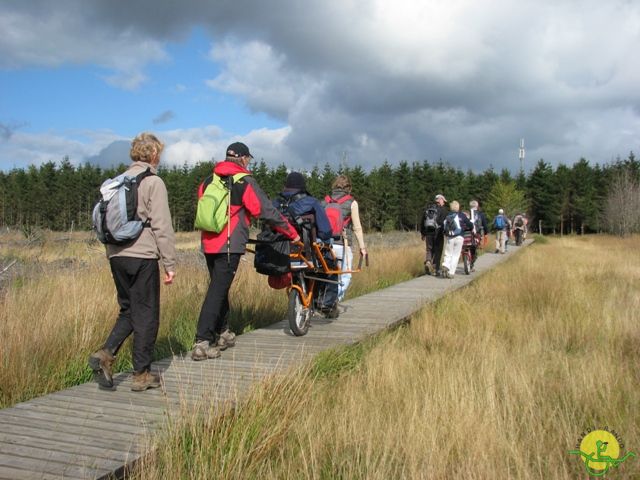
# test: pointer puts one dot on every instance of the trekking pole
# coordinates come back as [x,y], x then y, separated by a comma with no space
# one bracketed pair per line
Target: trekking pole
[229,185]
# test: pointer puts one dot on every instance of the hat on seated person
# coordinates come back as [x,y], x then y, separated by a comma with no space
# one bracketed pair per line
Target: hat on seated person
[440,196]
[295,181]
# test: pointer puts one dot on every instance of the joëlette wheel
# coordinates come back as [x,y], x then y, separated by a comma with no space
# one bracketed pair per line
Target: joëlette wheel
[297,314]
[465,260]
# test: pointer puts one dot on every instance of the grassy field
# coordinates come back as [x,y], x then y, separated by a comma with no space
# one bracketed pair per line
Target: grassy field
[58,303]
[497,380]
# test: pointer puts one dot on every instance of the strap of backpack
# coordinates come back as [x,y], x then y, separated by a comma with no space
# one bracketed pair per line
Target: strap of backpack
[341,200]
[141,176]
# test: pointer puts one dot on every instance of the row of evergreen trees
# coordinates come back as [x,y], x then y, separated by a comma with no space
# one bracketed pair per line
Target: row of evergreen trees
[562,199]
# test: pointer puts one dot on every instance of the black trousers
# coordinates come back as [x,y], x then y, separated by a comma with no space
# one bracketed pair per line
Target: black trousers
[434,245]
[138,287]
[215,309]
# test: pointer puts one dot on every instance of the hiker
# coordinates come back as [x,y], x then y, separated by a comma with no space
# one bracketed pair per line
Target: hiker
[432,234]
[306,212]
[136,273]
[342,197]
[509,230]
[520,228]
[454,226]
[480,229]
[500,225]
[223,250]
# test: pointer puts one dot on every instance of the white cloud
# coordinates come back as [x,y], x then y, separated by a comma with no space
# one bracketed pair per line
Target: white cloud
[24,149]
[61,36]
[460,80]
[259,75]
[203,144]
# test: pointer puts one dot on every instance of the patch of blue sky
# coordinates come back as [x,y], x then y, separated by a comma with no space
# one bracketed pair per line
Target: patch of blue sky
[70,99]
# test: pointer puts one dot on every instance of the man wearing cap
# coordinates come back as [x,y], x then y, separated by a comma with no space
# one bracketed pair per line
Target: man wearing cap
[223,250]
[435,242]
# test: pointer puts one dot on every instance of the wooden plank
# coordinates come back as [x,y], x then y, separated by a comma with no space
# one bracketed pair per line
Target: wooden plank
[112,413]
[88,432]
[78,420]
[56,444]
[77,460]
[10,473]
[99,400]
[122,444]
[50,466]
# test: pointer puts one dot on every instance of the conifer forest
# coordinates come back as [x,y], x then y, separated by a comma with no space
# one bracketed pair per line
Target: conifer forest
[581,198]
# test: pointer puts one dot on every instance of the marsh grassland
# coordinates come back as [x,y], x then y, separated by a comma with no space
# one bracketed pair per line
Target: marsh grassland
[58,303]
[496,380]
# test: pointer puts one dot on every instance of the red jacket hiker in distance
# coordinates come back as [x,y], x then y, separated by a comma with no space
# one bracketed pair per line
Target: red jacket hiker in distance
[247,200]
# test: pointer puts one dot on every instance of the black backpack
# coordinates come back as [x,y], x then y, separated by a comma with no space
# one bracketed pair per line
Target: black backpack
[273,248]
[519,221]
[272,253]
[431,219]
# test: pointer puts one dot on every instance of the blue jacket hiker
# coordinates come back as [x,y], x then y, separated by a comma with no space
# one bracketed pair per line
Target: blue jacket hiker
[307,214]
[500,225]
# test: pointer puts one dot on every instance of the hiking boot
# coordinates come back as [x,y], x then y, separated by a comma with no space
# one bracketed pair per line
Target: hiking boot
[203,350]
[332,312]
[144,380]
[445,272]
[101,362]
[428,268]
[227,339]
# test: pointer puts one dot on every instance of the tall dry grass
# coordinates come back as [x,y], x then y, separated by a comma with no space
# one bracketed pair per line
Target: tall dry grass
[497,380]
[58,304]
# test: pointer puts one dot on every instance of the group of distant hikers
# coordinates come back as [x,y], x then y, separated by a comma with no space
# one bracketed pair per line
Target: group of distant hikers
[447,230]
[133,220]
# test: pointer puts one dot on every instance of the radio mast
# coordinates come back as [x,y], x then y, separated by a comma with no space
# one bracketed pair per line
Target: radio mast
[521,155]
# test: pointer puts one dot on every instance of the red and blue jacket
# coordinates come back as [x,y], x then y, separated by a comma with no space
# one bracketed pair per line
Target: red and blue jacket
[247,201]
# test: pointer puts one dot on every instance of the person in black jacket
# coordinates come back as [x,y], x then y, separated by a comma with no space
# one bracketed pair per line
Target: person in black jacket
[455,224]
[434,239]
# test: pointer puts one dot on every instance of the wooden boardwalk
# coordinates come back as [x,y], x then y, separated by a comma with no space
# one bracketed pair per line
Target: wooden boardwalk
[85,432]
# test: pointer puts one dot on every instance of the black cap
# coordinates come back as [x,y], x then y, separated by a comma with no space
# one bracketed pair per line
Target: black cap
[295,181]
[237,150]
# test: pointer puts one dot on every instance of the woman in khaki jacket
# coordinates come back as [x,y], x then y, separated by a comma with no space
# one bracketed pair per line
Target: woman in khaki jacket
[136,272]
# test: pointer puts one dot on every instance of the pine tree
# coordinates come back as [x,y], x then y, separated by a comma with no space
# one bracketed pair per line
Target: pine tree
[543,197]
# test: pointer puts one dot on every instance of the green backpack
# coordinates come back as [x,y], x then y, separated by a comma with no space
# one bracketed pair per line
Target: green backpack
[214,207]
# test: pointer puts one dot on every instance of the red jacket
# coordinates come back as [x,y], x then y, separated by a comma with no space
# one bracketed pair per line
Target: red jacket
[247,201]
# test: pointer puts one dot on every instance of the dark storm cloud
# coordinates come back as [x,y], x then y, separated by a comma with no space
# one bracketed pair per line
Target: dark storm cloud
[381,79]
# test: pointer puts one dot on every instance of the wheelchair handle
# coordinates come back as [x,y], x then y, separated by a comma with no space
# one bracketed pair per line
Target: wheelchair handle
[366,259]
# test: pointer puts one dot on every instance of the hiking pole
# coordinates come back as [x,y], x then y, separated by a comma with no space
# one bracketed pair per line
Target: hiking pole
[229,185]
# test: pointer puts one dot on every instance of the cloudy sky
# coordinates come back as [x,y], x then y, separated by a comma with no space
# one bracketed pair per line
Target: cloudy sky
[315,81]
